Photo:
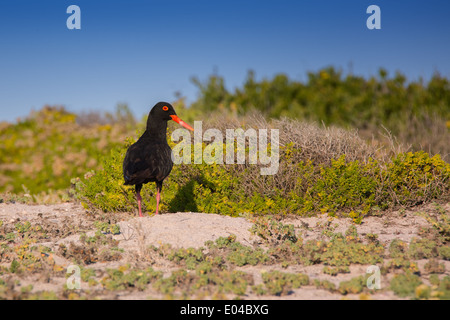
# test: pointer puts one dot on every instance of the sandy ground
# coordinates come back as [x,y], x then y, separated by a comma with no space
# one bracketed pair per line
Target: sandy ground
[66,221]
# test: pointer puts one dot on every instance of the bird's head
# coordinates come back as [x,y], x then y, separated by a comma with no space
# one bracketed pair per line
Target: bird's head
[165,111]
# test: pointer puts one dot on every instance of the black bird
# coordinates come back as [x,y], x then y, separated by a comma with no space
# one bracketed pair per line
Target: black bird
[149,159]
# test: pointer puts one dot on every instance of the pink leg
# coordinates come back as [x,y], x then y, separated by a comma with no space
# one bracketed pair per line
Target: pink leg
[139,199]
[157,201]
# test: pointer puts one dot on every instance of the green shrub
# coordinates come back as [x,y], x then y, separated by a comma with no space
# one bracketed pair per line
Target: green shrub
[440,222]
[41,153]
[423,249]
[139,279]
[404,285]
[107,228]
[444,252]
[336,254]
[219,281]
[342,251]
[273,232]
[416,178]
[331,185]
[346,185]
[237,253]
[444,288]
[354,285]
[104,189]
[325,284]
[191,257]
[281,283]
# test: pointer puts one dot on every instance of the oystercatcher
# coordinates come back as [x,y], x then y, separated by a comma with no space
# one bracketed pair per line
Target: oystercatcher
[149,159]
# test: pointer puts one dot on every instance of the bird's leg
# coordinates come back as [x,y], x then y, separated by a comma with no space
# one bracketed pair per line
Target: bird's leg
[158,195]
[157,201]
[138,197]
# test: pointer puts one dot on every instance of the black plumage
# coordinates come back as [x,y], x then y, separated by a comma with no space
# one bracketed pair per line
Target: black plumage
[149,159]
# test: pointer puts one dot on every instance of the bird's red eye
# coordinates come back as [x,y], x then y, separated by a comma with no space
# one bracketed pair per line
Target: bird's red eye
[165,108]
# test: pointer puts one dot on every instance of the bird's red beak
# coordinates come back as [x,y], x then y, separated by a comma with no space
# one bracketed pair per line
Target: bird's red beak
[181,122]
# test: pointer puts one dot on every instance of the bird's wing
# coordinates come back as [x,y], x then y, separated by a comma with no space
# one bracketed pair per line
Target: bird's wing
[145,162]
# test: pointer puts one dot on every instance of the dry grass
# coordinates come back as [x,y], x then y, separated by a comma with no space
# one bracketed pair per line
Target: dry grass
[317,142]
[312,142]
[429,133]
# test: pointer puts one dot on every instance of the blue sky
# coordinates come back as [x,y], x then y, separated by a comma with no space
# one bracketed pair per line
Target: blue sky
[141,52]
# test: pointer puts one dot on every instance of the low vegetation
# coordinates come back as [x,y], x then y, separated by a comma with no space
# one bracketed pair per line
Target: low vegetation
[41,153]
[315,175]
[220,269]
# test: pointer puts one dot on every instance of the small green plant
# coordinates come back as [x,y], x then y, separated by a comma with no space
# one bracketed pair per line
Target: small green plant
[14,267]
[241,255]
[422,249]
[399,252]
[259,289]
[273,232]
[417,177]
[99,247]
[191,257]
[444,252]
[440,221]
[139,279]
[372,238]
[325,284]
[404,285]
[281,283]
[398,248]
[235,282]
[87,275]
[344,250]
[354,285]
[42,295]
[23,227]
[177,279]
[237,253]
[106,227]
[443,289]
[335,271]
[402,263]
